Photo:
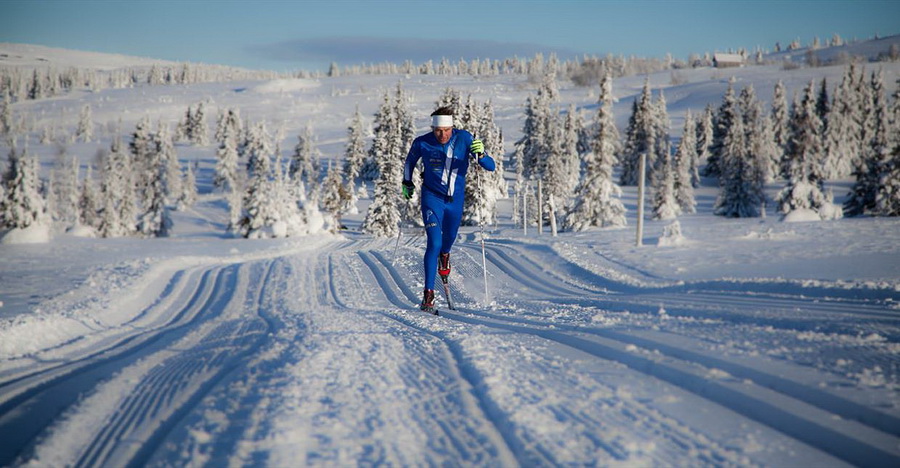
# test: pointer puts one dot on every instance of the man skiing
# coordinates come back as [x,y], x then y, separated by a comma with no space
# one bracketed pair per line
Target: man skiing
[445,153]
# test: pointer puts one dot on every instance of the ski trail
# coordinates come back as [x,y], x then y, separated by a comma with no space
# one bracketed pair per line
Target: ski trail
[360,386]
[533,449]
[156,381]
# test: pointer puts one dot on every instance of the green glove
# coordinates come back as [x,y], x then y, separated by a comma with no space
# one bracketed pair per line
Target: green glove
[477,148]
[408,189]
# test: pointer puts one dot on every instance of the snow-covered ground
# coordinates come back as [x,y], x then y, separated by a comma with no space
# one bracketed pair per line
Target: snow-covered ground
[746,342]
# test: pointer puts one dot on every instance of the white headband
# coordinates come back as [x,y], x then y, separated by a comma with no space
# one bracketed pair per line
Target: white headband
[442,121]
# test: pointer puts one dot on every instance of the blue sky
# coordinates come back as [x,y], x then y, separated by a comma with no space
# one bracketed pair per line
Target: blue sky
[290,35]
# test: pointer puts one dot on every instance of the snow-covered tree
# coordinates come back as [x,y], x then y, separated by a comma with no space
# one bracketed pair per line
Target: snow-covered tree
[704,141]
[85,129]
[257,150]
[65,192]
[394,132]
[540,120]
[484,188]
[305,161]
[640,137]
[685,160]
[188,194]
[727,114]
[117,193]
[154,220]
[24,205]
[597,203]
[165,154]
[841,138]
[143,149]
[335,198]
[742,179]
[876,165]
[804,187]
[89,201]
[199,133]
[6,119]
[665,205]
[354,153]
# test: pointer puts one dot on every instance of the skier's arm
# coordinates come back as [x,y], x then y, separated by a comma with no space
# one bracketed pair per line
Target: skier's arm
[412,158]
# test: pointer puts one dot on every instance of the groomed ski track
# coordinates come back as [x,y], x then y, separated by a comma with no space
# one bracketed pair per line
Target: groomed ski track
[319,357]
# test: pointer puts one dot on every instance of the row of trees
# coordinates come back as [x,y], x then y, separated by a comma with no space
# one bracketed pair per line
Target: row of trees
[137,188]
[856,132]
[43,82]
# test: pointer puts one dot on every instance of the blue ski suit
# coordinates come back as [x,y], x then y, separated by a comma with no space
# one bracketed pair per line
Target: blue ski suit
[443,190]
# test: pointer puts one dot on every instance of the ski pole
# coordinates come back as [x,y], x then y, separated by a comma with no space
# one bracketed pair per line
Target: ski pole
[484,266]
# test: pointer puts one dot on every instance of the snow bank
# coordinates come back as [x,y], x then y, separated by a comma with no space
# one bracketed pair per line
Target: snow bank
[283,86]
[34,234]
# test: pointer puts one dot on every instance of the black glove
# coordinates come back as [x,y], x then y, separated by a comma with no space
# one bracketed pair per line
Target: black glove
[408,189]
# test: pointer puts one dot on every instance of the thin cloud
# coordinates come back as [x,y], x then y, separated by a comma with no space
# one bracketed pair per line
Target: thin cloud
[354,50]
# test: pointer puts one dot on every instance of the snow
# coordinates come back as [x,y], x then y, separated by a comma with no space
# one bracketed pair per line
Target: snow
[720,342]
[34,234]
[283,86]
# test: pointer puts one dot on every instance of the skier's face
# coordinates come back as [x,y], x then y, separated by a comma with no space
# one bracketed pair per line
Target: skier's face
[442,134]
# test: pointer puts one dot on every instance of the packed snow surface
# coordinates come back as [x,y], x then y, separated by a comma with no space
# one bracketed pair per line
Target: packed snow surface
[730,342]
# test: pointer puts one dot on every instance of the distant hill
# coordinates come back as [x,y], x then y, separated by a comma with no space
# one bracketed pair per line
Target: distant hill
[871,50]
[31,56]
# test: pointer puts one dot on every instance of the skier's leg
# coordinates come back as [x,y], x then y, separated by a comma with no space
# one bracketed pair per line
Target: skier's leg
[450,223]
[431,214]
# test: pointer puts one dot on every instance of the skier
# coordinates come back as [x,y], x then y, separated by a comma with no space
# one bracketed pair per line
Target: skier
[445,153]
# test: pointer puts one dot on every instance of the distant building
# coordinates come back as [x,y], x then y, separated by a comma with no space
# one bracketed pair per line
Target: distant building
[728,60]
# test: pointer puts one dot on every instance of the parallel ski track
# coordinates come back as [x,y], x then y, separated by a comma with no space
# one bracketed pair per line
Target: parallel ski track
[387,278]
[39,397]
[528,454]
[752,400]
[191,299]
[178,384]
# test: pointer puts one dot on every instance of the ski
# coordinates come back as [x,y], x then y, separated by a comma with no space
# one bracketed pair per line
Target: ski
[446,281]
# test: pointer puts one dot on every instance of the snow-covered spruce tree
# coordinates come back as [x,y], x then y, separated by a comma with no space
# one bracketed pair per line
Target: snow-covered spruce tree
[335,198]
[199,130]
[354,153]
[665,206]
[742,178]
[483,188]
[685,159]
[495,144]
[876,163]
[24,205]
[640,137]
[228,125]
[183,129]
[704,140]
[117,193]
[722,122]
[823,105]
[154,220]
[89,201]
[597,202]
[842,136]
[572,130]
[85,129]
[261,198]
[6,119]
[257,149]
[540,119]
[188,195]
[392,140]
[143,148]
[804,187]
[65,192]
[228,135]
[661,144]
[305,161]
[165,154]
